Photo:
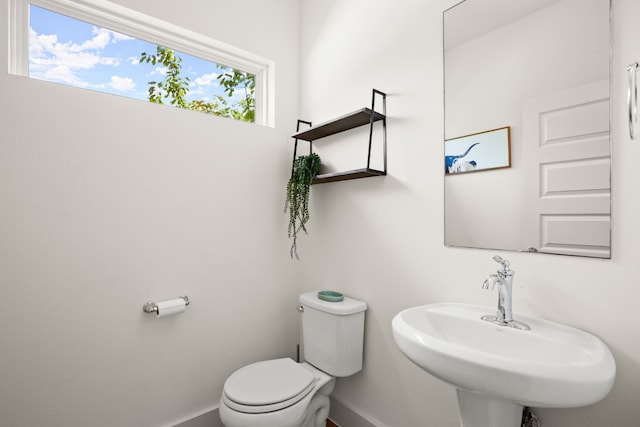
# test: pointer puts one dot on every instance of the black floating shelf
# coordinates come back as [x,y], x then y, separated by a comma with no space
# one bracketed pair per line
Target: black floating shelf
[343,176]
[349,121]
[361,117]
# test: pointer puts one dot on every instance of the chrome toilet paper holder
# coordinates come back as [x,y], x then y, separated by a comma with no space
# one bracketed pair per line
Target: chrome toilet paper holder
[152,307]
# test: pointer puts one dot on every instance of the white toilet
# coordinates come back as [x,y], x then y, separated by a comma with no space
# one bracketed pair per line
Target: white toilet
[283,393]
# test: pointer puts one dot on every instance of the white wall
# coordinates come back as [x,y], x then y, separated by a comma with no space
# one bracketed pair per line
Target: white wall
[381,239]
[107,202]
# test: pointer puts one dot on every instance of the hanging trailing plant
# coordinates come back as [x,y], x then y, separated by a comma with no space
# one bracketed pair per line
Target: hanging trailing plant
[305,168]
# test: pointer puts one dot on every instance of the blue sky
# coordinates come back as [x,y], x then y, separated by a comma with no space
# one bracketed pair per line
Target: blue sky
[73,52]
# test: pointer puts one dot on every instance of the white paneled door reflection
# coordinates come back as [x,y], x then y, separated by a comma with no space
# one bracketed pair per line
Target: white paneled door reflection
[567,157]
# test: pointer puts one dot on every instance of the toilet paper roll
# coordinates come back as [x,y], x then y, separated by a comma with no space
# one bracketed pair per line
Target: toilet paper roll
[171,307]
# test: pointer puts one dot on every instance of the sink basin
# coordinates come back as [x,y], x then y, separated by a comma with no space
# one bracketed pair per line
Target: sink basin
[551,365]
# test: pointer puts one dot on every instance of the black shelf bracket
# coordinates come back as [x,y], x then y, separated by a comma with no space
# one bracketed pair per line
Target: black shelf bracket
[364,116]
[295,146]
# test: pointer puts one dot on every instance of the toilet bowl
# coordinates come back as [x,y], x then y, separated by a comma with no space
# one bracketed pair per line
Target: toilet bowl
[276,393]
[284,393]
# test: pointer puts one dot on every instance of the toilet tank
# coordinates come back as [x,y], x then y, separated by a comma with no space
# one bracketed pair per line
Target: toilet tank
[333,334]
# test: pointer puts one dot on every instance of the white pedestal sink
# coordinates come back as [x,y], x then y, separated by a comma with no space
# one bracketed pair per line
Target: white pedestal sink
[496,369]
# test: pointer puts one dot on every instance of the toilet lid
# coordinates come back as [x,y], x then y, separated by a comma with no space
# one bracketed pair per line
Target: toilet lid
[279,382]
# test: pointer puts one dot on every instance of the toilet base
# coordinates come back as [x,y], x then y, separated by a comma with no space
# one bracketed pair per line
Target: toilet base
[317,412]
[318,409]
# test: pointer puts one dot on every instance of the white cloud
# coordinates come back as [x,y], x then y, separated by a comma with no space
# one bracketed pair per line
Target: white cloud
[53,60]
[159,70]
[101,38]
[193,90]
[203,84]
[106,60]
[64,74]
[118,37]
[122,84]
[206,80]
[46,49]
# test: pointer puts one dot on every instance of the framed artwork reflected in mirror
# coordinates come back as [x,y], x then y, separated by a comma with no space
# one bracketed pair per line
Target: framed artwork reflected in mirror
[479,151]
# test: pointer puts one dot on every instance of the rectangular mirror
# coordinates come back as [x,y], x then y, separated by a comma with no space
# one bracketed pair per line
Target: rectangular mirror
[539,68]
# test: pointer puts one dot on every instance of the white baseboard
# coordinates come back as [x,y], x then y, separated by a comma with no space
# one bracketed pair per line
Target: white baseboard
[208,418]
[340,414]
[344,416]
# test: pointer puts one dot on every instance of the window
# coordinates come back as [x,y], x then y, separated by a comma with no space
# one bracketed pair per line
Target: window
[103,47]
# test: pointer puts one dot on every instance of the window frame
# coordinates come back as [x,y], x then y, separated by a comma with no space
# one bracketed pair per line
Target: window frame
[136,24]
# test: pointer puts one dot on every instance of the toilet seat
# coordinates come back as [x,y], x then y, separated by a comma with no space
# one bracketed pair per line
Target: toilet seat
[267,386]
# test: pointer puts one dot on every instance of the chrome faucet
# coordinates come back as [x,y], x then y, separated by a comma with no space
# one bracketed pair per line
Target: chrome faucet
[504,279]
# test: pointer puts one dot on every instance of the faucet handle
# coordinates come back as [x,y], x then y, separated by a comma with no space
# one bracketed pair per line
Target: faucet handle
[503,262]
[499,259]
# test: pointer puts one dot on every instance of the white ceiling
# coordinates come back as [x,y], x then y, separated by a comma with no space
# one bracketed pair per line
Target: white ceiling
[472,18]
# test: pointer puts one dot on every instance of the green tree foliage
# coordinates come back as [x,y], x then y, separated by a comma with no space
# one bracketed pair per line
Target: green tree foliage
[174,88]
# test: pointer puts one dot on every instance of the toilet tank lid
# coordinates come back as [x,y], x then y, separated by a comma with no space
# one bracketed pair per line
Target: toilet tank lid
[342,308]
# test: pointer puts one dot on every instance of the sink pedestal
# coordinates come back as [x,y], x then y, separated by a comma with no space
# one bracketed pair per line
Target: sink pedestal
[479,410]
